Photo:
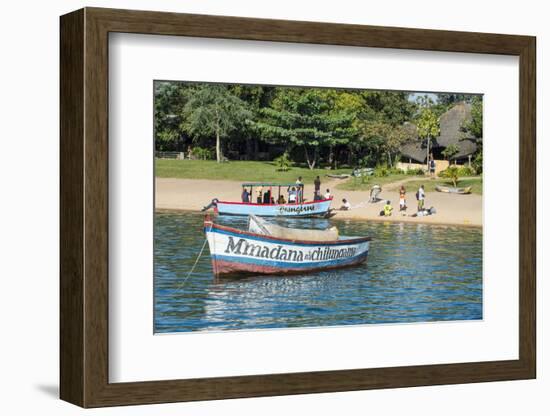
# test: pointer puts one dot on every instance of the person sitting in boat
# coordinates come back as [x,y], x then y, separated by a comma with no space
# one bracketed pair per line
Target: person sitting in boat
[327,194]
[292,195]
[281,199]
[387,210]
[267,197]
[245,196]
[272,200]
[346,206]
[259,198]
[317,196]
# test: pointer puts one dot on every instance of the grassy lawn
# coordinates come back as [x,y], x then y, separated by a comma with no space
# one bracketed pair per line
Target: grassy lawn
[366,183]
[429,185]
[237,171]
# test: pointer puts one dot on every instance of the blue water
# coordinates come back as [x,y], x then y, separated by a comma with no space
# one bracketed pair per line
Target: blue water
[414,273]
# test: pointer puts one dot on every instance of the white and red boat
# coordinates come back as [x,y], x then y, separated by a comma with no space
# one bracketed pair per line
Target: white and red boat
[270,207]
[271,249]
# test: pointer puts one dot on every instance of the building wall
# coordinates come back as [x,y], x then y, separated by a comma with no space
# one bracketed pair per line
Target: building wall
[439,165]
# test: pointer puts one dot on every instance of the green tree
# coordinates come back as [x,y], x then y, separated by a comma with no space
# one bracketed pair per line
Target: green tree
[451,173]
[450,151]
[475,127]
[169,101]
[305,118]
[212,110]
[428,128]
[384,139]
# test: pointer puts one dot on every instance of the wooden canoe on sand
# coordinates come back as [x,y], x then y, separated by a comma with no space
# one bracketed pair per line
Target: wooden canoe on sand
[451,190]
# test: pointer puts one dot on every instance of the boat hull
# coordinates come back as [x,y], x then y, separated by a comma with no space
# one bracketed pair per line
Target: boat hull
[450,190]
[235,252]
[306,209]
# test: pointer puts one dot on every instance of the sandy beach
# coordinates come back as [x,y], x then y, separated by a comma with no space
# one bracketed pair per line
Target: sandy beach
[193,194]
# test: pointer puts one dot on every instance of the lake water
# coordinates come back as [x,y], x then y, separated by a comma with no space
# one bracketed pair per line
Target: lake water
[414,273]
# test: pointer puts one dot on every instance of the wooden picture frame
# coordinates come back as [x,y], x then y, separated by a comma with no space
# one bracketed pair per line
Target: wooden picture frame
[84,207]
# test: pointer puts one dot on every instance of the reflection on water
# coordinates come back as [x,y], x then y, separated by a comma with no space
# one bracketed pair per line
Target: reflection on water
[414,273]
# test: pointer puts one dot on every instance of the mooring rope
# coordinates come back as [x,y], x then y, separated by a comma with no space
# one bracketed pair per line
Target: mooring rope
[195,264]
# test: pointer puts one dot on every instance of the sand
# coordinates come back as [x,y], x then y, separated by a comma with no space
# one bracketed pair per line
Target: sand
[452,209]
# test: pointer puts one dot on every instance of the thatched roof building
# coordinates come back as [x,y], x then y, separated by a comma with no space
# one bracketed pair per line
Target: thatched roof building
[452,131]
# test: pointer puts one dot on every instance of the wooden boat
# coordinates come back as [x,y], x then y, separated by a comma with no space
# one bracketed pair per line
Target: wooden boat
[341,176]
[451,190]
[298,208]
[236,252]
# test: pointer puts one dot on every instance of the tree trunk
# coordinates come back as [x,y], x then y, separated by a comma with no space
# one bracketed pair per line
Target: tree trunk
[311,164]
[428,154]
[331,156]
[390,160]
[218,150]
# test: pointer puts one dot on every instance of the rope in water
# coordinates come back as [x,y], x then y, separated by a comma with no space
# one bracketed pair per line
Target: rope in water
[194,265]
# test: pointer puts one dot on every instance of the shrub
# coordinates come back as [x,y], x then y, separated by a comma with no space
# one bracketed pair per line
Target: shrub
[203,153]
[417,171]
[477,163]
[466,171]
[380,171]
[397,171]
[283,162]
[450,173]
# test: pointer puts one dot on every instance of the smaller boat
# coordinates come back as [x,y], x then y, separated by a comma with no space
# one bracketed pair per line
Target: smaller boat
[451,190]
[267,248]
[267,206]
[340,176]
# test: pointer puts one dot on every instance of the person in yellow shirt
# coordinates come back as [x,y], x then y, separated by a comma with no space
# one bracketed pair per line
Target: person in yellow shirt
[388,209]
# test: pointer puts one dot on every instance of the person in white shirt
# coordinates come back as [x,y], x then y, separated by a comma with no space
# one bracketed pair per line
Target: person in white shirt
[292,195]
[327,194]
[346,206]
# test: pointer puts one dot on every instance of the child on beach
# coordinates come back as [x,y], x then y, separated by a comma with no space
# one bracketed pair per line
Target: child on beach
[402,202]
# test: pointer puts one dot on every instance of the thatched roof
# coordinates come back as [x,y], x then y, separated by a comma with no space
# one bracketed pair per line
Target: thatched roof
[452,131]
[413,147]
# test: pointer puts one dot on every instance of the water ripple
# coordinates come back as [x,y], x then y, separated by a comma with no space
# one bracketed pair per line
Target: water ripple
[415,273]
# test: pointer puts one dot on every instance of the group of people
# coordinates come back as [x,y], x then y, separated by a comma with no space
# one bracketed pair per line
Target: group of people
[295,194]
[420,197]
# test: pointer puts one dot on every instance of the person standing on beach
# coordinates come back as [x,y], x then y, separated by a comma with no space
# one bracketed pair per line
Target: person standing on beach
[317,193]
[432,167]
[420,195]
[402,201]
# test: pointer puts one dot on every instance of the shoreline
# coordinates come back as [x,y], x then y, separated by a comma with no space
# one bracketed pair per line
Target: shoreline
[397,220]
[190,195]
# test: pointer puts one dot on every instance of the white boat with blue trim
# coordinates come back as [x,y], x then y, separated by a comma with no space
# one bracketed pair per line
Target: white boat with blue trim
[272,203]
[270,249]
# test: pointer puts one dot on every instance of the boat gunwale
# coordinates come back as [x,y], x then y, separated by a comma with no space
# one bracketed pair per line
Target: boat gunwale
[356,240]
[275,205]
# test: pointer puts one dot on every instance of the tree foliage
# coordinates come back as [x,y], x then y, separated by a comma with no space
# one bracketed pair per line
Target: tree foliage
[311,125]
[428,128]
[304,118]
[212,110]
